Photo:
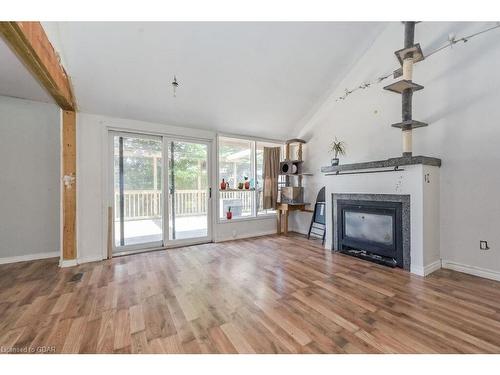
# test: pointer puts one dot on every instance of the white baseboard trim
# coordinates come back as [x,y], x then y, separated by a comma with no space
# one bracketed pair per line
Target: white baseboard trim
[426,270]
[28,257]
[417,270]
[471,270]
[241,237]
[68,263]
[75,262]
[97,258]
[434,266]
[299,231]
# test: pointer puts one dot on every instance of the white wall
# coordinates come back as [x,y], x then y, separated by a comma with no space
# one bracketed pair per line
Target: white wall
[461,104]
[29,180]
[245,228]
[92,183]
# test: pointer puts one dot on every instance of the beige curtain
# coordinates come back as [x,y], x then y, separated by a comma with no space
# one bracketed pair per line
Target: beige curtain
[270,175]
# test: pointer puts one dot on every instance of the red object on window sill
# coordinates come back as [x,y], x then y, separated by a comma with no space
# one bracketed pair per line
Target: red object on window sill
[229,215]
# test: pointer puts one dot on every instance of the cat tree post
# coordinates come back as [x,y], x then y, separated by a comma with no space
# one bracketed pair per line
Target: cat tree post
[407,95]
[408,56]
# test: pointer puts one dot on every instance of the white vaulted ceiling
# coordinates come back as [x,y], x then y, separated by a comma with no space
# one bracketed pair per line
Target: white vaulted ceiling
[245,78]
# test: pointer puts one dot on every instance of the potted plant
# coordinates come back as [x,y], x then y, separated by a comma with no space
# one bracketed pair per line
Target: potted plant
[247,183]
[337,148]
[229,214]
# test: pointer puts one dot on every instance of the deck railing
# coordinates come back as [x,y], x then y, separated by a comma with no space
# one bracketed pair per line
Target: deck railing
[147,204]
[140,204]
[243,198]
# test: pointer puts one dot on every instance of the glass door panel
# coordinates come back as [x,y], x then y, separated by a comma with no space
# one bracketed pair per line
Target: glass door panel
[189,190]
[138,198]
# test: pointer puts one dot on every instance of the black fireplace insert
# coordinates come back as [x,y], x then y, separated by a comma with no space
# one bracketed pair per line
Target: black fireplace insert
[371,230]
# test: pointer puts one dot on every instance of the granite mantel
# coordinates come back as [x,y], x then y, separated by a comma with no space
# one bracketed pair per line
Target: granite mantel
[389,163]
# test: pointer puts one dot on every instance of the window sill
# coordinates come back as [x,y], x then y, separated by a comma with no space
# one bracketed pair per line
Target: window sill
[233,190]
[243,219]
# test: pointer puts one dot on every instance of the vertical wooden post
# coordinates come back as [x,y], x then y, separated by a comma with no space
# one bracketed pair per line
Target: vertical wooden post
[278,221]
[69,184]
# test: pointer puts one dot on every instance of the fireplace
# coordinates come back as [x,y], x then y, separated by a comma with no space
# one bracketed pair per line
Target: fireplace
[373,227]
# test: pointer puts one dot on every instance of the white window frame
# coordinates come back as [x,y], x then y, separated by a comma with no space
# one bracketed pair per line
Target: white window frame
[255,215]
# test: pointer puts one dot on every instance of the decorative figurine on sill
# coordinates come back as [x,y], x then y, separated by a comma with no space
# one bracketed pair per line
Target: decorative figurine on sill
[240,185]
[229,214]
[223,185]
[247,183]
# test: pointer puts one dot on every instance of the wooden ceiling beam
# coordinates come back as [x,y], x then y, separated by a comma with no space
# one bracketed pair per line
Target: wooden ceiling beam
[29,41]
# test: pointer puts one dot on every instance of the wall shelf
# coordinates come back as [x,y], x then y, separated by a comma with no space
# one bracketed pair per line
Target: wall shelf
[297,174]
[392,162]
[401,86]
[338,173]
[415,50]
[409,124]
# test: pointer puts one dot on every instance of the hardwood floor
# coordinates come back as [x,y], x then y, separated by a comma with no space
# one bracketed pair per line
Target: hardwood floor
[264,295]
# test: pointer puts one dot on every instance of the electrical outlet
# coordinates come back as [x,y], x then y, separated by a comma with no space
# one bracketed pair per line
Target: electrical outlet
[483,245]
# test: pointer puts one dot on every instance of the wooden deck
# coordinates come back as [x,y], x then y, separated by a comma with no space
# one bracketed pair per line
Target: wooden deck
[264,295]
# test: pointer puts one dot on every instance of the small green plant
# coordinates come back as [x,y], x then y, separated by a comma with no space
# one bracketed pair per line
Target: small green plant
[337,148]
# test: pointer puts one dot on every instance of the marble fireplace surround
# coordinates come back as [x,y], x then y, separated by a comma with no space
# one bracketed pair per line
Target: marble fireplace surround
[404,199]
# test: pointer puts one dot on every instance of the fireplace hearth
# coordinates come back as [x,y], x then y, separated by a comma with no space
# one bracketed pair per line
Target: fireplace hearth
[374,227]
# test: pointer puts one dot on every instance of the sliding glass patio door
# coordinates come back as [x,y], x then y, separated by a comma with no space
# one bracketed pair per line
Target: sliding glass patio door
[161,193]
[189,191]
[137,191]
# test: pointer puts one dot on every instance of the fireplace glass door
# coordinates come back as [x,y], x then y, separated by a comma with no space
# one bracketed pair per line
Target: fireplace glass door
[370,227]
[373,227]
